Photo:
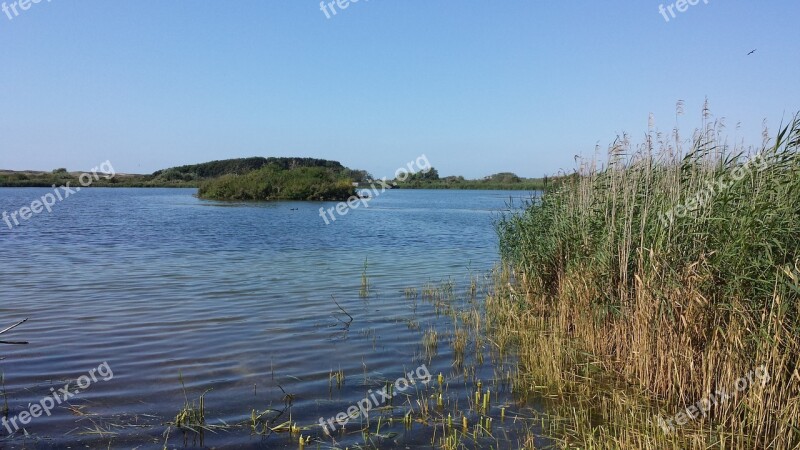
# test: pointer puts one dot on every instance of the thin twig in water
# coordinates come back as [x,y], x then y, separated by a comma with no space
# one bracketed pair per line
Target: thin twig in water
[14,326]
[343,310]
[11,328]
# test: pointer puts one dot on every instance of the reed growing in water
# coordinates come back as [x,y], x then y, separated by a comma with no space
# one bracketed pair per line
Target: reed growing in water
[638,289]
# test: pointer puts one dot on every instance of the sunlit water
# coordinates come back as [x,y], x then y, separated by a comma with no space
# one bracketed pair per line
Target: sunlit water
[235,298]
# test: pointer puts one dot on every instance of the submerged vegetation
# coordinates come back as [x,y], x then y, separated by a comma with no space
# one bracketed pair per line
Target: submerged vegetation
[455,410]
[637,290]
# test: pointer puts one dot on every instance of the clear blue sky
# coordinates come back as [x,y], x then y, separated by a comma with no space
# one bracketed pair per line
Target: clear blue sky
[478,86]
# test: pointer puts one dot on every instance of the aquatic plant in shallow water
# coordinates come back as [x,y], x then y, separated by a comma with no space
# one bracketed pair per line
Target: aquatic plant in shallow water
[364,291]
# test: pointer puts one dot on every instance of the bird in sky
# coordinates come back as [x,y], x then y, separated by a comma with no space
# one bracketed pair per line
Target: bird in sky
[752,52]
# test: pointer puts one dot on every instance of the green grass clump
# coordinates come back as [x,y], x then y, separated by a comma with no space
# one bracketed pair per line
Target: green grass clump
[275,183]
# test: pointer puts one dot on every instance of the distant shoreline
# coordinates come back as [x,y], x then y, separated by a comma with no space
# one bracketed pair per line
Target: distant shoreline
[169,186]
[40,179]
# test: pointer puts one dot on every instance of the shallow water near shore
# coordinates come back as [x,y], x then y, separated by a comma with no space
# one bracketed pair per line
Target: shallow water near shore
[237,300]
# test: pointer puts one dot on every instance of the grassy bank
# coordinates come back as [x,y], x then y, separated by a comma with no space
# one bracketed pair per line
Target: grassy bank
[637,290]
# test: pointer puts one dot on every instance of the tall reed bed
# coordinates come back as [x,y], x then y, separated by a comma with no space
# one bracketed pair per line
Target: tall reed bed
[639,288]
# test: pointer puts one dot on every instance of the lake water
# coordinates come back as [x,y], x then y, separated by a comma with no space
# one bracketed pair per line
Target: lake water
[175,293]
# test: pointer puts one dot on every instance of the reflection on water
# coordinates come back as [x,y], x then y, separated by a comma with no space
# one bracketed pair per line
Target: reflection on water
[236,300]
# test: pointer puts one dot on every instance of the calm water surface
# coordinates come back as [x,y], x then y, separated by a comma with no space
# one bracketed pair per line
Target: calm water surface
[236,298]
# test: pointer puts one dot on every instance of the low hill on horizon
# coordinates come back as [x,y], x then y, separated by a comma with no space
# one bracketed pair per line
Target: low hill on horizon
[242,166]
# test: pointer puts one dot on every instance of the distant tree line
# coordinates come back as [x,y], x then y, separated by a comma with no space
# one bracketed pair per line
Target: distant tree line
[498,181]
[196,175]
